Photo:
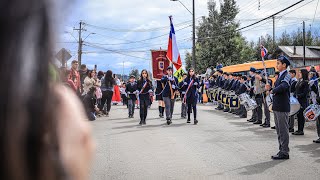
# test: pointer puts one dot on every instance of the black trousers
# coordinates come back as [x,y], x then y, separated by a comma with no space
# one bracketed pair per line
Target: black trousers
[243,111]
[106,100]
[301,120]
[258,110]
[192,106]
[144,109]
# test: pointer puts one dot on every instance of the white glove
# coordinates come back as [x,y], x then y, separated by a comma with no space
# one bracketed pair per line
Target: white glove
[136,92]
[173,86]
[196,84]
[150,91]
[185,83]
[171,78]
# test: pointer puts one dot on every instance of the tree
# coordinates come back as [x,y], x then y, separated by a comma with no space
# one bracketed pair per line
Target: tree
[135,72]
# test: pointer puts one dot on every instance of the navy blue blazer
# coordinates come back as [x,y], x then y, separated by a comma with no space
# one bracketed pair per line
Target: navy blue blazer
[145,93]
[281,93]
[130,89]
[230,84]
[192,93]
[166,92]
[242,89]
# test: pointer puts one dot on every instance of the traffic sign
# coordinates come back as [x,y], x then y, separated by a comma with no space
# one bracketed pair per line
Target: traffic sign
[63,56]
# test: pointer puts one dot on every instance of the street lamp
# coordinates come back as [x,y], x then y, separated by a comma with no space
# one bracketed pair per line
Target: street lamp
[193,31]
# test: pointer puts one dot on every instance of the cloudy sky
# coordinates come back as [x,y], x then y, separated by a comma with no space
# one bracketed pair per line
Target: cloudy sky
[126,30]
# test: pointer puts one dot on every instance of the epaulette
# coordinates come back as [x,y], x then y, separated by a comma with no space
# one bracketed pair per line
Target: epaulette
[287,79]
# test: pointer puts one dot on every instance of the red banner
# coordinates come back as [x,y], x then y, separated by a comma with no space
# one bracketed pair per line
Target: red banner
[159,63]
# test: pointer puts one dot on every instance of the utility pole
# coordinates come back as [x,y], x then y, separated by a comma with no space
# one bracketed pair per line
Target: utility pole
[194,36]
[304,44]
[274,31]
[80,41]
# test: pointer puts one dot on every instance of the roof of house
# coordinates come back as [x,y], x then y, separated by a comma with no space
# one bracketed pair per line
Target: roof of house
[311,51]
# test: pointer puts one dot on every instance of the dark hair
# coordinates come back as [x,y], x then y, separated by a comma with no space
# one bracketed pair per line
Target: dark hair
[293,71]
[244,78]
[89,73]
[74,61]
[29,145]
[148,77]
[83,66]
[282,61]
[100,73]
[188,75]
[304,74]
[109,80]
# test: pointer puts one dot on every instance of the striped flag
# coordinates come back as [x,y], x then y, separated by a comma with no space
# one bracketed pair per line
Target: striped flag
[173,52]
[264,51]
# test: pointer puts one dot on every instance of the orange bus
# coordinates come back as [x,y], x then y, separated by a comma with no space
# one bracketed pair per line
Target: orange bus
[271,66]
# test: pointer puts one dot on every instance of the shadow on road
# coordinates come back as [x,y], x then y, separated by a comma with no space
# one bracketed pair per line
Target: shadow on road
[312,149]
[253,169]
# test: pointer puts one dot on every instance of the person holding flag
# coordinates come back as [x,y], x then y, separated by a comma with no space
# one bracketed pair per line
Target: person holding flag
[191,96]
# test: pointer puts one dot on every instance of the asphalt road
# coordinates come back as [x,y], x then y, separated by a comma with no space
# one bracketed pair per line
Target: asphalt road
[221,146]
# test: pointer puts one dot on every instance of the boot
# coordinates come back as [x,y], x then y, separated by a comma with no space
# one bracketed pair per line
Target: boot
[144,122]
[160,111]
[140,122]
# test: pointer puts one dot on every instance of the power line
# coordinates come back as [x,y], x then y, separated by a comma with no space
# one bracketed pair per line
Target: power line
[315,12]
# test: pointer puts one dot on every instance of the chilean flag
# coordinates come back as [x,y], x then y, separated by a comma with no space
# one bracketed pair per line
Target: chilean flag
[264,51]
[173,52]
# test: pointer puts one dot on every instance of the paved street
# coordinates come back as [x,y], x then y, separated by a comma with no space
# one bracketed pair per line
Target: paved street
[219,147]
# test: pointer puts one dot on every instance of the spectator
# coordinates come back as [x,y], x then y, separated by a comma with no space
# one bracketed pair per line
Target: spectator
[41,136]
[107,83]
[74,75]
[89,82]
[83,74]
[89,102]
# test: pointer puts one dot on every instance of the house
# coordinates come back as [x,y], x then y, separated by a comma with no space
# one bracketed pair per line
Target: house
[295,54]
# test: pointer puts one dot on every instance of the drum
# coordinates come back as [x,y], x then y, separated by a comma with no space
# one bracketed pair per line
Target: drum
[234,102]
[224,97]
[312,112]
[269,101]
[294,106]
[247,102]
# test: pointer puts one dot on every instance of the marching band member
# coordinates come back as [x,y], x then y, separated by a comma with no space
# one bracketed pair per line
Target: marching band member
[242,89]
[229,87]
[144,85]
[252,74]
[131,90]
[220,83]
[281,107]
[225,87]
[159,97]
[293,83]
[168,93]
[192,84]
[301,93]
[182,91]
[257,90]
[313,83]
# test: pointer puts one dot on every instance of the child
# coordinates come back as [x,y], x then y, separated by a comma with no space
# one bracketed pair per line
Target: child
[145,89]
[131,90]
[124,94]
[182,90]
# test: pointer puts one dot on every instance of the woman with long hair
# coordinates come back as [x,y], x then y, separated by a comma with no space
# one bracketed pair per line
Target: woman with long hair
[191,96]
[89,82]
[313,84]
[107,83]
[43,131]
[145,89]
[301,93]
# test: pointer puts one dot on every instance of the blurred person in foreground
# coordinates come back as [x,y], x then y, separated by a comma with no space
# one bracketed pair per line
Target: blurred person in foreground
[41,136]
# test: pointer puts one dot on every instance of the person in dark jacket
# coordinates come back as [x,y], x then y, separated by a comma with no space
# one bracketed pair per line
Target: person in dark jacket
[89,102]
[281,107]
[131,90]
[144,85]
[192,84]
[159,97]
[242,89]
[301,93]
[252,74]
[293,83]
[219,83]
[170,87]
[262,79]
[182,92]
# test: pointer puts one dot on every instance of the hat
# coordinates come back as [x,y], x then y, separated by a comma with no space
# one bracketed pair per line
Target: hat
[132,76]
[169,67]
[284,59]
[258,72]
[252,69]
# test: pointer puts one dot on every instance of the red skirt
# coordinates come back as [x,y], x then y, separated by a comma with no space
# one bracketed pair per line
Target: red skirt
[116,94]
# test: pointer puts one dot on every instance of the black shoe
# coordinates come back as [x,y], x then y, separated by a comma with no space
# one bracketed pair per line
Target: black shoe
[140,123]
[226,110]
[280,156]
[291,130]
[169,121]
[188,121]
[263,124]
[243,116]
[144,122]
[299,133]
[273,127]
[266,126]
[257,122]
[316,141]
[252,120]
[249,120]
[196,122]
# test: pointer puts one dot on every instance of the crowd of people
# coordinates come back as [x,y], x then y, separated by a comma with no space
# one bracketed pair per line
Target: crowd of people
[300,84]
